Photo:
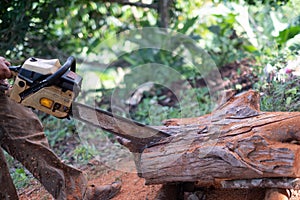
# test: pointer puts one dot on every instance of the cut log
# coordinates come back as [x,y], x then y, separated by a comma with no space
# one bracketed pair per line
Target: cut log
[235,142]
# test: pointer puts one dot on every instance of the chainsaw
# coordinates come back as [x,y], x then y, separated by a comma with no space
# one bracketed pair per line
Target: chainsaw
[48,86]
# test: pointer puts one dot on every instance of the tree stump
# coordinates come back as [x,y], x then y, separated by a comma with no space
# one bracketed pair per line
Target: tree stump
[236,146]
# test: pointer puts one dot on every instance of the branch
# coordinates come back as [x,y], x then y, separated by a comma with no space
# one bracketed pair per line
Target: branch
[137,4]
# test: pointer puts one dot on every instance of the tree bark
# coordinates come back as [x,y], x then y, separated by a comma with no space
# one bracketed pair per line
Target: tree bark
[163,12]
[235,142]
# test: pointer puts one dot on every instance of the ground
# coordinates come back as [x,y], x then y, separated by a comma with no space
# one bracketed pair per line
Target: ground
[134,188]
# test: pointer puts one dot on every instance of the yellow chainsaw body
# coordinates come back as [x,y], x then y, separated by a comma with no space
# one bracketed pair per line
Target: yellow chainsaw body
[53,99]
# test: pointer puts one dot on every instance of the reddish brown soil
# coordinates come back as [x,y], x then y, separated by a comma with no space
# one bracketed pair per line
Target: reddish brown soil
[134,188]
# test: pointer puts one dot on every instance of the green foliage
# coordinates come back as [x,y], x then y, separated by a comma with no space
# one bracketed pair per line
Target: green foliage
[19,175]
[282,96]
[290,32]
[153,110]
[57,130]
[20,178]
[274,3]
[287,34]
[281,92]
[293,44]
[149,55]
[159,57]
[226,46]
[84,153]
[24,27]
[51,28]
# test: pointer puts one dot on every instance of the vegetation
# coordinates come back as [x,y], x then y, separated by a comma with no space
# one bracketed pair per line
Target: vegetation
[265,34]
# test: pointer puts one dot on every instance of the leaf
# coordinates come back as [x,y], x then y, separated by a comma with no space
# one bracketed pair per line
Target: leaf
[238,86]
[250,48]
[287,34]
[292,91]
[215,29]
[288,100]
[130,60]
[189,23]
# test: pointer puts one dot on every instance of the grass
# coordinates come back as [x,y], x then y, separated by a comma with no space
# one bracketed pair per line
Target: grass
[20,176]
[282,96]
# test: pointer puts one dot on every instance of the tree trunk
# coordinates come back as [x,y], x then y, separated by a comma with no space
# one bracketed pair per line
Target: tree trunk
[163,12]
[236,145]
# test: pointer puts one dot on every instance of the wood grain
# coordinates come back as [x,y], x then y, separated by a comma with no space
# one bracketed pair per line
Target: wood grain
[235,142]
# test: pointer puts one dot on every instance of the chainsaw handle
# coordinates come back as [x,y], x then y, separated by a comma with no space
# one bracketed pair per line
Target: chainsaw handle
[14,70]
[69,64]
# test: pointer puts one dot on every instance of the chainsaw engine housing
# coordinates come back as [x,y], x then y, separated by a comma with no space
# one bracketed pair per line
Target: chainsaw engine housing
[47,86]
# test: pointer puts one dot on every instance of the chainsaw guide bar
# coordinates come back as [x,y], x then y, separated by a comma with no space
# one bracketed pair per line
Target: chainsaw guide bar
[47,86]
[134,131]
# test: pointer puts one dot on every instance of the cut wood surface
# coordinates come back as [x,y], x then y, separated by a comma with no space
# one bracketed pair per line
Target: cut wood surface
[234,144]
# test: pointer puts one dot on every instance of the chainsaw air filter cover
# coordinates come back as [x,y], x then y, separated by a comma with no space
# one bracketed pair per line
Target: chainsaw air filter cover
[47,86]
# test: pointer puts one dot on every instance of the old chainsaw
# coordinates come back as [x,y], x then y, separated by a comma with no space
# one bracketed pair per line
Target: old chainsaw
[47,86]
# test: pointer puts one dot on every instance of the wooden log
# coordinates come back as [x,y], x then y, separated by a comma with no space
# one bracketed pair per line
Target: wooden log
[235,142]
